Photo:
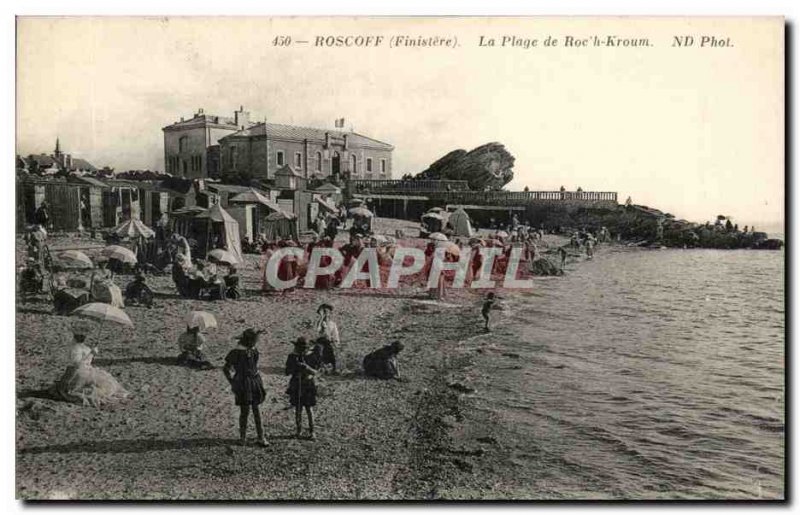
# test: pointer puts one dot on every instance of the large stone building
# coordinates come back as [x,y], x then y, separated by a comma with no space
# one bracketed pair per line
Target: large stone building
[264,148]
[191,147]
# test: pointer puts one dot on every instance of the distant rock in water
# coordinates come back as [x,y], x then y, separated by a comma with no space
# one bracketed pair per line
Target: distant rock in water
[488,167]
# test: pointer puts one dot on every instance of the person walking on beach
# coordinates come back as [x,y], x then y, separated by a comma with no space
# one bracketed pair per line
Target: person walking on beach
[589,247]
[487,308]
[302,391]
[241,371]
[326,328]
[563,253]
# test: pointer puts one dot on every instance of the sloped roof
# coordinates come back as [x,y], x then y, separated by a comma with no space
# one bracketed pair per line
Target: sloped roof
[327,204]
[81,164]
[228,188]
[287,170]
[91,181]
[254,197]
[328,188]
[280,215]
[41,159]
[217,214]
[297,133]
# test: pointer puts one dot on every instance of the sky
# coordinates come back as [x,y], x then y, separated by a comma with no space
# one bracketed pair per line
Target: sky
[692,131]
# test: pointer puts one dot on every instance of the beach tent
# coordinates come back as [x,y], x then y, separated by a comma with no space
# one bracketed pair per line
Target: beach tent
[220,223]
[281,225]
[460,223]
[224,225]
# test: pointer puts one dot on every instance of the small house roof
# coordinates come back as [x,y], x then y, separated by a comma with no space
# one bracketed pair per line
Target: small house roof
[287,170]
[254,197]
[328,188]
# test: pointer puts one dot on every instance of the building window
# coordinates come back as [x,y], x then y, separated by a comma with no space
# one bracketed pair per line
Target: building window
[369,165]
[353,164]
[383,166]
[319,161]
[232,157]
[280,157]
[183,142]
[298,160]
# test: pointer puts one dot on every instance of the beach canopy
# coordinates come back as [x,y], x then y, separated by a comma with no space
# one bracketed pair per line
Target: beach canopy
[437,236]
[73,259]
[201,319]
[133,228]
[222,256]
[328,188]
[432,216]
[103,313]
[360,211]
[119,253]
[189,211]
[460,223]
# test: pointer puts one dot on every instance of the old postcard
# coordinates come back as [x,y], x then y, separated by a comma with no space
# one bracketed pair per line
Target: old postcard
[456,258]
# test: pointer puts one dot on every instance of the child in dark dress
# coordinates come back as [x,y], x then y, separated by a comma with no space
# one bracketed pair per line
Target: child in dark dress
[241,371]
[302,390]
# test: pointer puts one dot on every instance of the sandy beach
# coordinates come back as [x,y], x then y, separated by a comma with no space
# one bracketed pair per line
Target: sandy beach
[176,436]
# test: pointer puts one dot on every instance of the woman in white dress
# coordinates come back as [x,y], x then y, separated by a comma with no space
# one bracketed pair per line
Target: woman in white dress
[82,382]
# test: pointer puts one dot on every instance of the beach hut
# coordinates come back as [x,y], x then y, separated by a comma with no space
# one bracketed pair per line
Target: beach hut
[460,224]
[257,206]
[281,225]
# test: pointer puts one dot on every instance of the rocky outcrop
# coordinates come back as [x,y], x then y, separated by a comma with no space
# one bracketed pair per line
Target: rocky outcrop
[485,168]
[543,266]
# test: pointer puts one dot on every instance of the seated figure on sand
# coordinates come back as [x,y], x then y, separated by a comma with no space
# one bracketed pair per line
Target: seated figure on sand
[103,289]
[191,345]
[382,363]
[82,382]
[138,292]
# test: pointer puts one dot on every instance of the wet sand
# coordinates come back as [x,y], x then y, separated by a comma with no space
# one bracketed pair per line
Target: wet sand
[176,436]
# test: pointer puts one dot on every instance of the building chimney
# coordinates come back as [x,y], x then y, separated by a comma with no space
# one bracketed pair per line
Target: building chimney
[199,111]
[241,118]
[68,161]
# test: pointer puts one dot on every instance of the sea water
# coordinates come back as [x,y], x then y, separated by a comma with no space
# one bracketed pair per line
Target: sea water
[652,374]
